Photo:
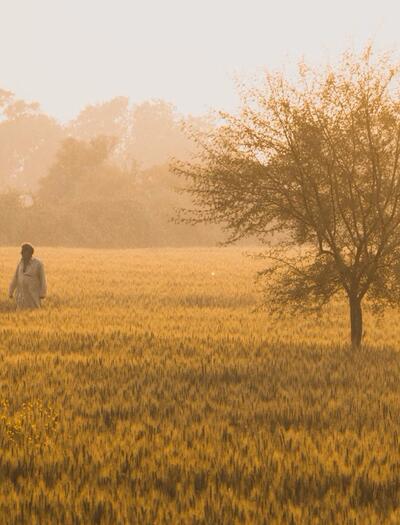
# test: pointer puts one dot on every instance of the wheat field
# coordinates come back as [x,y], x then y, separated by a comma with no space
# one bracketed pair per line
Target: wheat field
[150,390]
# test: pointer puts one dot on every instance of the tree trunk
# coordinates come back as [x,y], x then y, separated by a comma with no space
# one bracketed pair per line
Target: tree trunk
[356,322]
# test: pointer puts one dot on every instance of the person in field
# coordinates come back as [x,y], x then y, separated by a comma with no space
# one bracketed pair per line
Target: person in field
[29,281]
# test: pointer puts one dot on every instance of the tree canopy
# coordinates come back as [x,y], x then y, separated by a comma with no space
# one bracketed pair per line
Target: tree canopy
[101,179]
[316,160]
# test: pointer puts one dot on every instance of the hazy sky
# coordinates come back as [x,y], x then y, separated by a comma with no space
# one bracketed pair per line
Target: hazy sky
[68,53]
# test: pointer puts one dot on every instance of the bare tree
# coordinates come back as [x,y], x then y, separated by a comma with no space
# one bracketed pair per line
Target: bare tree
[316,160]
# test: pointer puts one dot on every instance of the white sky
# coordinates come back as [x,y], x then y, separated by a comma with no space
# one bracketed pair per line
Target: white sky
[69,53]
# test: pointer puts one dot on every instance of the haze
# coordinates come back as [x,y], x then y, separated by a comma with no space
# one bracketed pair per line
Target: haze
[67,54]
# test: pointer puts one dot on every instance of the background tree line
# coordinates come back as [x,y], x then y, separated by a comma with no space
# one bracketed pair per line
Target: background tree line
[101,179]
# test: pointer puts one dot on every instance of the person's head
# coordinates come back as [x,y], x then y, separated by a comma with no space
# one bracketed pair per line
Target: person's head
[27,251]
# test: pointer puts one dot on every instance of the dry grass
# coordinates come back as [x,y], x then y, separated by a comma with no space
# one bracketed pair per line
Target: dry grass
[147,391]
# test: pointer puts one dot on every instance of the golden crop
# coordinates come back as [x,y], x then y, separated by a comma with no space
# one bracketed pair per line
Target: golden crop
[149,391]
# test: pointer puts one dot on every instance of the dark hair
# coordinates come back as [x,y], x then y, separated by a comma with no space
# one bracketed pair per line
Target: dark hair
[27,246]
